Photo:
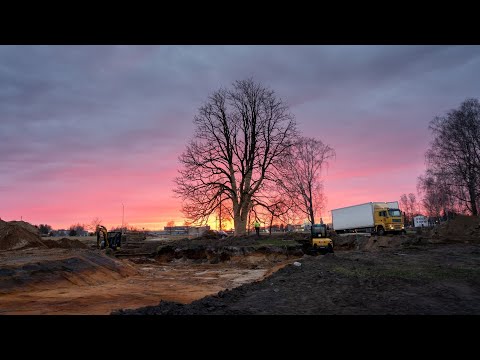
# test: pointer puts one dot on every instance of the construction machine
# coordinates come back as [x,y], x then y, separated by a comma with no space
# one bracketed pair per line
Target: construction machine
[111,239]
[318,241]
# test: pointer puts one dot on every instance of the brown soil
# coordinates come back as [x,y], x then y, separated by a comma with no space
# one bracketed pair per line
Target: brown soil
[431,272]
[61,281]
[461,229]
[214,240]
[431,279]
[414,274]
[17,235]
[64,243]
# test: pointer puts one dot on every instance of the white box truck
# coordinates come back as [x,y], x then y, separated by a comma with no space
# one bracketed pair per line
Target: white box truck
[372,217]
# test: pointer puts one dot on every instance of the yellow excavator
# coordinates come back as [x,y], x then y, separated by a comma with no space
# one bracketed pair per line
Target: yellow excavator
[318,242]
[111,239]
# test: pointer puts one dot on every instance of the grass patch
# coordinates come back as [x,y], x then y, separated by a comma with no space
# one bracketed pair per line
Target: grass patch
[274,241]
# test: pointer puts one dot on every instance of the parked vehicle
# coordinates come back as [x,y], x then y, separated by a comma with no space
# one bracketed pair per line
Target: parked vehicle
[373,217]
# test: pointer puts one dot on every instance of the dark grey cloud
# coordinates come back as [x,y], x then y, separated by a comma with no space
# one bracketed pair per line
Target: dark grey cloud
[104,104]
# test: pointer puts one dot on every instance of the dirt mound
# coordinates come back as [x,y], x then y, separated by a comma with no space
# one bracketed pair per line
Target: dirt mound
[214,255]
[71,244]
[461,229]
[26,226]
[244,240]
[19,234]
[64,243]
[29,270]
[373,243]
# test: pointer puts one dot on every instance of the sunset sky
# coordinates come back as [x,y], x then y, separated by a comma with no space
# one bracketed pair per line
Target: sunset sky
[85,129]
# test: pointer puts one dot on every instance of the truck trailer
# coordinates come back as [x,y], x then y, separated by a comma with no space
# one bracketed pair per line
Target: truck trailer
[373,217]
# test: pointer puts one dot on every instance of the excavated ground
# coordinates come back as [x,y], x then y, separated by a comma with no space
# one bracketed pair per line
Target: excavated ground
[78,281]
[433,271]
[424,279]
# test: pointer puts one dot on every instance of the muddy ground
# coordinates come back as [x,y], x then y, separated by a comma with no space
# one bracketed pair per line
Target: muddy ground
[82,281]
[429,271]
[423,279]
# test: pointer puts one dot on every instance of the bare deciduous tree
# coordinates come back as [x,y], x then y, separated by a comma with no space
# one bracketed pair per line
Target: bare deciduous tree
[436,194]
[76,229]
[454,153]
[412,200]
[241,134]
[96,221]
[301,175]
[409,206]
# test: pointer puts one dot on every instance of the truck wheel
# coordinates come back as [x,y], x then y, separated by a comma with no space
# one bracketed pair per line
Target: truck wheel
[380,231]
[330,248]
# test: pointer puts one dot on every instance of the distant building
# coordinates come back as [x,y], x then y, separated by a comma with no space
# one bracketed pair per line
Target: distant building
[60,232]
[186,230]
[420,221]
[295,227]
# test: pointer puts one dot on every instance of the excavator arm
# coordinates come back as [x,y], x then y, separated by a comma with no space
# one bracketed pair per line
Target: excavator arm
[102,230]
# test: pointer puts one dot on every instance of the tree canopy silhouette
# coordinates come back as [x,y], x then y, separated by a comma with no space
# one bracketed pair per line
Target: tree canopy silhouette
[241,135]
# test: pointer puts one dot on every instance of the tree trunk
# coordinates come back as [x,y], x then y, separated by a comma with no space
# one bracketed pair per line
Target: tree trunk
[240,225]
[473,202]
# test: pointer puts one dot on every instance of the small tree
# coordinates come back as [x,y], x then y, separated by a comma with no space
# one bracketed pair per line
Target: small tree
[45,229]
[96,221]
[76,229]
[409,206]
[300,175]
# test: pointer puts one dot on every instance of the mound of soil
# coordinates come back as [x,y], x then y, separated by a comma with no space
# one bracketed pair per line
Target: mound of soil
[64,243]
[375,243]
[18,234]
[245,240]
[461,229]
[214,255]
[26,269]
[27,226]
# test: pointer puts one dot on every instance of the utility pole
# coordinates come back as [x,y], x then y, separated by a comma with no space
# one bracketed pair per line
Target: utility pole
[123,214]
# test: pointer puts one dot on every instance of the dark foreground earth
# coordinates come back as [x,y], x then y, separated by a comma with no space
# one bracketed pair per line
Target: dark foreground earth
[424,279]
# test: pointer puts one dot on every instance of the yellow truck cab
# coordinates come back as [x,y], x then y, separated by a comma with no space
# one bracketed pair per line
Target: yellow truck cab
[388,220]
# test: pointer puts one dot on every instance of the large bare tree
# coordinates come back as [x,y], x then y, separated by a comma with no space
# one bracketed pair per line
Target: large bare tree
[241,134]
[301,175]
[454,153]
